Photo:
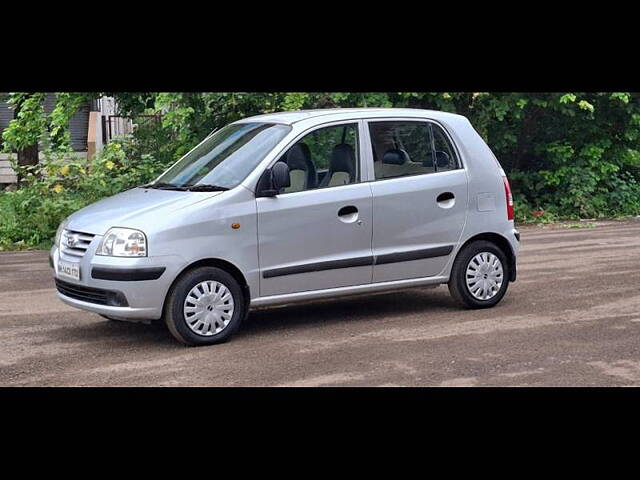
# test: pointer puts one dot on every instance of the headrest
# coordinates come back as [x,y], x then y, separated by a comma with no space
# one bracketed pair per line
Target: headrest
[442,159]
[343,159]
[395,156]
[299,157]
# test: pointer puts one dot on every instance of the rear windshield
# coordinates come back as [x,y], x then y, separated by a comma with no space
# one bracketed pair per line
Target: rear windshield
[225,158]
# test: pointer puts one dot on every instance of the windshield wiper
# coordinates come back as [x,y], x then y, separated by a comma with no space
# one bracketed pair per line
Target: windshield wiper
[163,186]
[202,187]
[205,187]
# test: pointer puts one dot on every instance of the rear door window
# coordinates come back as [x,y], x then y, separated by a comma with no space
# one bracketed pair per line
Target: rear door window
[404,148]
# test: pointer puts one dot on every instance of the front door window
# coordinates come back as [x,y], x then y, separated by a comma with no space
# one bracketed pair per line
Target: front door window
[327,157]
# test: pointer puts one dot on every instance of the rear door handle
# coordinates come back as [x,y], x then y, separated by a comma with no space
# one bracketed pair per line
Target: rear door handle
[443,197]
[446,200]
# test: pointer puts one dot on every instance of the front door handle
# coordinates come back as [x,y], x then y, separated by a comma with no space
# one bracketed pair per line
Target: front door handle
[349,214]
[348,210]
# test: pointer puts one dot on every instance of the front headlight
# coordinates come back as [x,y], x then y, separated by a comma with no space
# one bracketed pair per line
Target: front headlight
[123,242]
[59,232]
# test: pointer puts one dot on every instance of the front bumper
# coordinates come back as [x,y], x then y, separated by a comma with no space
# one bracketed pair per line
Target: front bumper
[122,288]
[149,313]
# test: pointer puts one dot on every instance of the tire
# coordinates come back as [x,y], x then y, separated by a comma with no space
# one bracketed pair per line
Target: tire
[208,313]
[462,292]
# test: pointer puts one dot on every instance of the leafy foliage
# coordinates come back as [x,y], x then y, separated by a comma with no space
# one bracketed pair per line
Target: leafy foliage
[568,154]
[32,125]
[28,127]
[62,185]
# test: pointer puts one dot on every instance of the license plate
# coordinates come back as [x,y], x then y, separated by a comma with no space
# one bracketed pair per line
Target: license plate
[69,269]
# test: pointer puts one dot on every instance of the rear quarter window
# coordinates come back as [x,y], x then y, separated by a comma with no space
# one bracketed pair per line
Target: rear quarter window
[442,144]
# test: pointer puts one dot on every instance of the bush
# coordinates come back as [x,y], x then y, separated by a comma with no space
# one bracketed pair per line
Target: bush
[61,185]
[578,185]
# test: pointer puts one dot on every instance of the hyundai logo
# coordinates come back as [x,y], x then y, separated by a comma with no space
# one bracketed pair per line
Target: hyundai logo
[72,240]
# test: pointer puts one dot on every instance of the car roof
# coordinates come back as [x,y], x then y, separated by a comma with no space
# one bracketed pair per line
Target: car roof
[336,114]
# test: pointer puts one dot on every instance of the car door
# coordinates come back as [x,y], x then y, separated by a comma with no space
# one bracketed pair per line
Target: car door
[419,198]
[316,234]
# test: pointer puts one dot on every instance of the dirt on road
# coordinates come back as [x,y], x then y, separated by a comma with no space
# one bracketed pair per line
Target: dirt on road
[572,318]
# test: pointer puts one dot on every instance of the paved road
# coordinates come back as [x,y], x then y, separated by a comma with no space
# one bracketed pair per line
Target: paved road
[572,318]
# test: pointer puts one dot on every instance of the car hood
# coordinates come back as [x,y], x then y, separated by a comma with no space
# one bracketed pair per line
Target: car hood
[136,208]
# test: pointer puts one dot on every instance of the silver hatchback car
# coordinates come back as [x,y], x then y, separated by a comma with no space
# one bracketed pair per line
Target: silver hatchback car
[291,207]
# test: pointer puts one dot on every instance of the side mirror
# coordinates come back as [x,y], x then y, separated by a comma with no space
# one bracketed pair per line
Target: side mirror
[274,180]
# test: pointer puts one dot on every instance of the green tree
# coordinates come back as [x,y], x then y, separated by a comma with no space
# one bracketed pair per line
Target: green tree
[568,153]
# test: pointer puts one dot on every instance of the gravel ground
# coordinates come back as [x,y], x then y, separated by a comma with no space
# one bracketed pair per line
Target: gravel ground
[572,318]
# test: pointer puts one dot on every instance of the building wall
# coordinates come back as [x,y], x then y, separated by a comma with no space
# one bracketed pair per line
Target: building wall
[7,175]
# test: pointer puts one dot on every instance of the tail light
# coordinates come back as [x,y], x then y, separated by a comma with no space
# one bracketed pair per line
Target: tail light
[509,197]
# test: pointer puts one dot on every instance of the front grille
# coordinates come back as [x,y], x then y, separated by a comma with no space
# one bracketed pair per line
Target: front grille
[92,295]
[75,243]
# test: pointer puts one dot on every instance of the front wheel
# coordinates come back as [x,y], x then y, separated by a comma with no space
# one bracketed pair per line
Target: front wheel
[205,306]
[480,275]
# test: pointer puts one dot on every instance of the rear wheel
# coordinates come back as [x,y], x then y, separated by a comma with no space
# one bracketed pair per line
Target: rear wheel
[480,275]
[205,306]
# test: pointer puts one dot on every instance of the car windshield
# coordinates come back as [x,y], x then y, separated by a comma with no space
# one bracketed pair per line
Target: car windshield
[224,159]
